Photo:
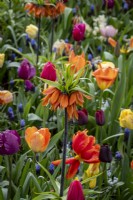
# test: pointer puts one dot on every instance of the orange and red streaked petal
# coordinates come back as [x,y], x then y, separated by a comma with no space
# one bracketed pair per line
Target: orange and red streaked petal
[73,169]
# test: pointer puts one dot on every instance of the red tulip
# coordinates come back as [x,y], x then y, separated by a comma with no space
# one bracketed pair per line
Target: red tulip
[75,191]
[78,32]
[49,72]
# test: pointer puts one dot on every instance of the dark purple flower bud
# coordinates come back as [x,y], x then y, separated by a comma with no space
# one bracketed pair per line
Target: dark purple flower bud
[126,134]
[29,86]
[118,155]
[78,32]
[20,108]
[26,70]
[100,117]
[48,72]
[82,117]
[109,3]
[105,154]
[22,123]
[9,142]
[38,169]
[51,168]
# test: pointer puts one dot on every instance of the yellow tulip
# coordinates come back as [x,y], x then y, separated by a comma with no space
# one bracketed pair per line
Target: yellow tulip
[37,140]
[2,58]
[126,118]
[92,170]
[5,97]
[32,31]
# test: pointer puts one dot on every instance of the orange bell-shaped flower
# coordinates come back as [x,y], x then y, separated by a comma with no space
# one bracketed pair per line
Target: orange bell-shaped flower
[37,140]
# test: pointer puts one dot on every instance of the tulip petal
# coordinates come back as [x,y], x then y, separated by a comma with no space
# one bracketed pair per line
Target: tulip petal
[73,169]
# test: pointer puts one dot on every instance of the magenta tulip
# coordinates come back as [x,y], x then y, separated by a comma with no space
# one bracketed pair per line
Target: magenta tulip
[78,32]
[48,72]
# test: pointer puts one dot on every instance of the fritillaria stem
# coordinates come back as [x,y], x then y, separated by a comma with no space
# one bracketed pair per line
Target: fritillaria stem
[64,154]
[38,39]
[52,35]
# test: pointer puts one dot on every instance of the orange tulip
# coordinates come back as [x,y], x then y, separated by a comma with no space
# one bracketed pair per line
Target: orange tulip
[77,61]
[132,164]
[105,77]
[5,97]
[58,99]
[37,140]
[86,151]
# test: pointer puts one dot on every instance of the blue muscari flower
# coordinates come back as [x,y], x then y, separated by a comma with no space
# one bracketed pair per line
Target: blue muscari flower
[74,10]
[13,56]
[126,134]
[38,168]
[22,123]
[11,82]
[33,44]
[92,7]
[10,113]
[125,6]
[99,48]
[118,155]
[51,168]
[20,49]
[66,40]
[20,108]
[90,56]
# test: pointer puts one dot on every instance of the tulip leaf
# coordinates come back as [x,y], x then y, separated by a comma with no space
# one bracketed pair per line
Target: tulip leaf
[108,56]
[67,12]
[113,136]
[33,117]
[30,177]
[90,178]
[52,180]
[47,195]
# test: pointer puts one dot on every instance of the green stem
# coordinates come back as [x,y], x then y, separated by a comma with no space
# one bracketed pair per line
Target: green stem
[38,40]
[64,154]
[52,35]
[10,176]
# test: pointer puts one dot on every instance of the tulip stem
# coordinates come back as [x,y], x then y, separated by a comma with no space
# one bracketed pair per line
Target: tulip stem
[10,4]
[10,176]
[38,39]
[64,154]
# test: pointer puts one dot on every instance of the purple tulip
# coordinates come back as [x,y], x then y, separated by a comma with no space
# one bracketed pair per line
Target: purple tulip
[100,117]
[26,70]
[105,154]
[109,3]
[82,117]
[78,32]
[48,72]
[9,142]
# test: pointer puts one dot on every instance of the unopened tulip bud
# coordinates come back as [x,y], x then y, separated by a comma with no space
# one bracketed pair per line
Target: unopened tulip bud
[75,191]
[100,117]
[105,154]
[82,117]
[49,72]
